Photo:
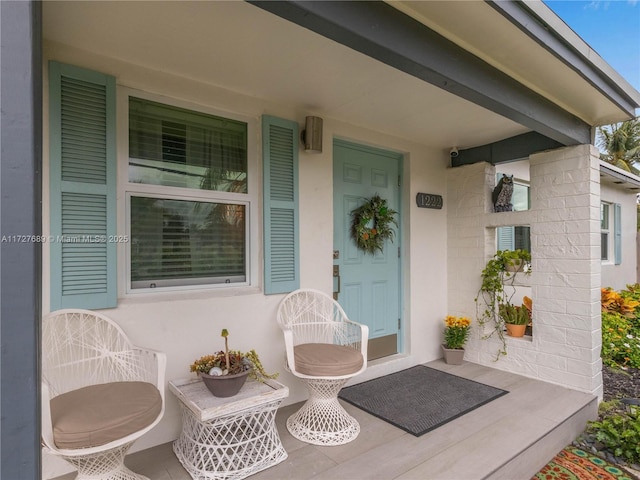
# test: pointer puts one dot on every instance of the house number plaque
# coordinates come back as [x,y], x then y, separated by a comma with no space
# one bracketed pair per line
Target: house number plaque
[429,200]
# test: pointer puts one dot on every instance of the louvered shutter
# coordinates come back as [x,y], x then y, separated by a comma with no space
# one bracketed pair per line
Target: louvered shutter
[506,238]
[82,188]
[617,235]
[281,236]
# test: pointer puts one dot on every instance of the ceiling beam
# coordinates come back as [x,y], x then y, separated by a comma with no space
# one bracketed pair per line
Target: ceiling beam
[384,33]
[507,150]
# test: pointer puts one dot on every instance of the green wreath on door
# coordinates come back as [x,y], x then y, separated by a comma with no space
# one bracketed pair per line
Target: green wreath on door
[371,224]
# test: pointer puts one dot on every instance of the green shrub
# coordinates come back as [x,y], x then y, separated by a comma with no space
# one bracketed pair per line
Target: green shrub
[620,434]
[621,327]
[620,341]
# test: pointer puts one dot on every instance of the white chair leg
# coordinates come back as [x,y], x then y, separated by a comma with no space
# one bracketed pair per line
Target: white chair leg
[107,465]
[322,420]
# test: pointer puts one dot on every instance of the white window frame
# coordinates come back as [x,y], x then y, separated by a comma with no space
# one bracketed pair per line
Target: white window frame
[126,190]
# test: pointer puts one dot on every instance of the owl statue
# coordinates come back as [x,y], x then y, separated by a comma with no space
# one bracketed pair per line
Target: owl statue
[502,194]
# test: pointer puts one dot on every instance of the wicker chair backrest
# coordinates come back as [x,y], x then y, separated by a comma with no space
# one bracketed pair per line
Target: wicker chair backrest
[82,348]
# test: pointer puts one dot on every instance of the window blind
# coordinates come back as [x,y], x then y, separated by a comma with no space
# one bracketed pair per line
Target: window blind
[177,147]
[180,242]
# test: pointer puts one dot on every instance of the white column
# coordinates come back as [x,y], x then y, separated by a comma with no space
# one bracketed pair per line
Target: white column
[565,283]
[468,202]
[565,194]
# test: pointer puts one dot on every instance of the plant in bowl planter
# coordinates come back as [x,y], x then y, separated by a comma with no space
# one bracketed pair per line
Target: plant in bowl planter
[225,372]
[456,333]
[497,290]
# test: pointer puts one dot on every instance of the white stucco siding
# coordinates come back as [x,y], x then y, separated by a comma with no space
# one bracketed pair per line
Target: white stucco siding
[186,324]
[619,276]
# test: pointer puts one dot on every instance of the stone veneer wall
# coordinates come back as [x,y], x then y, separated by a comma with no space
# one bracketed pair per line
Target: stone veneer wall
[565,283]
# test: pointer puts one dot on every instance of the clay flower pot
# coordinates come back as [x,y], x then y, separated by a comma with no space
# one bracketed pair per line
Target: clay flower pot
[515,330]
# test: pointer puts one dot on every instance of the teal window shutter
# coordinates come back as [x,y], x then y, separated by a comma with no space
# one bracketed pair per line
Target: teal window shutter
[506,238]
[82,188]
[617,232]
[281,227]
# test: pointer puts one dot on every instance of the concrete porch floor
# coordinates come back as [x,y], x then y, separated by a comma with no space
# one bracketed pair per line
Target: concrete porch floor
[511,438]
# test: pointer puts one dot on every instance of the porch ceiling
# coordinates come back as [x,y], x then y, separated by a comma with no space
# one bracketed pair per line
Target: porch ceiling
[240,47]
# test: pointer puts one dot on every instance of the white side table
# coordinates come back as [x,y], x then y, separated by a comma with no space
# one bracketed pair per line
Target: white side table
[228,438]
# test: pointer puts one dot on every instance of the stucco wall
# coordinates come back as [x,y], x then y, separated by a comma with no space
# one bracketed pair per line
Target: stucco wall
[185,325]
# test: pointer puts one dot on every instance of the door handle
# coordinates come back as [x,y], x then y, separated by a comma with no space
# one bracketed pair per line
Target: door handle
[336,274]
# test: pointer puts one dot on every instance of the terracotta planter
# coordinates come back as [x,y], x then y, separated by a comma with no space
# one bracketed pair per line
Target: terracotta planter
[224,385]
[453,356]
[515,330]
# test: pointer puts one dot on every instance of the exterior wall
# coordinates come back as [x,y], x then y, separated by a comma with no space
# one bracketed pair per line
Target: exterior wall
[185,325]
[565,283]
[619,276]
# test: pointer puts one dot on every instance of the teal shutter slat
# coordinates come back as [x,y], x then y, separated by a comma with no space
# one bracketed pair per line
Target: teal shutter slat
[617,235]
[82,188]
[281,236]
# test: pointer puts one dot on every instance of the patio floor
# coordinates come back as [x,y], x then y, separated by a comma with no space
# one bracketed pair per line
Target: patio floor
[511,438]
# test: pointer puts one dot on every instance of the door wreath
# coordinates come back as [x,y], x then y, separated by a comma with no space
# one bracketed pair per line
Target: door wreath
[371,224]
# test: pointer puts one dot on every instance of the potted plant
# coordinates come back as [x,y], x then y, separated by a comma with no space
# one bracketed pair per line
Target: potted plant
[225,372]
[515,318]
[456,333]
[497,290]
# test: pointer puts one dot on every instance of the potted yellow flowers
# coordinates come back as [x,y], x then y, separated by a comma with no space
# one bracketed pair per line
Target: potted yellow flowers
[456,333]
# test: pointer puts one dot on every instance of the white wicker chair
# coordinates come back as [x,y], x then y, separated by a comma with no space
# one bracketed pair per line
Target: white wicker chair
[325,349]
[86,355]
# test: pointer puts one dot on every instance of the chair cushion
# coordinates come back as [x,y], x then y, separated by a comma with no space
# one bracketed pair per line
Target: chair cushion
[326,360]
[99,414]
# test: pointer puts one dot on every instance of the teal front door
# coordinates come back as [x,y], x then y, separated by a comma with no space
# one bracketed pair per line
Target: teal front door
[367,286]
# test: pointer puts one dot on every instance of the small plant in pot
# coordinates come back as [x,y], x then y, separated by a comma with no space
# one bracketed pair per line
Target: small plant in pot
[225,372]
[515,317]
[456,333]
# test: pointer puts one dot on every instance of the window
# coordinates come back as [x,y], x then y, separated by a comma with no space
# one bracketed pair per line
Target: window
[604,231]
[611,232]
[187,197]
[516,237]
[520,198]
[180,207]
[176,147]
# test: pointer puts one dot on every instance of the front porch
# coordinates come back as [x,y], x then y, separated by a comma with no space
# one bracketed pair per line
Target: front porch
[510,437]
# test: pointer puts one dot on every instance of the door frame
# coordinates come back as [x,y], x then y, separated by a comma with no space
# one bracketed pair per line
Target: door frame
[399,238]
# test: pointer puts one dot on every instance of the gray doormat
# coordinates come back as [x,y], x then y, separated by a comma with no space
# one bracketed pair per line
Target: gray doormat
[420,398]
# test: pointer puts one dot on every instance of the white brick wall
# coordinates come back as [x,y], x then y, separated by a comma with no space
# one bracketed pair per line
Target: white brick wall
[565,283]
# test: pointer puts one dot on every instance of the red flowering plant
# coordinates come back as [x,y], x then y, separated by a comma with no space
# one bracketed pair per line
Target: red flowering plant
[456,331]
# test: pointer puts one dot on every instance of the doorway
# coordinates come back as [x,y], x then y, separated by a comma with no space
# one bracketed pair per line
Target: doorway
[367,286]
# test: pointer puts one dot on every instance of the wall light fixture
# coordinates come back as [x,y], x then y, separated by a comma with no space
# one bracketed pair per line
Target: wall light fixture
[312,135]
